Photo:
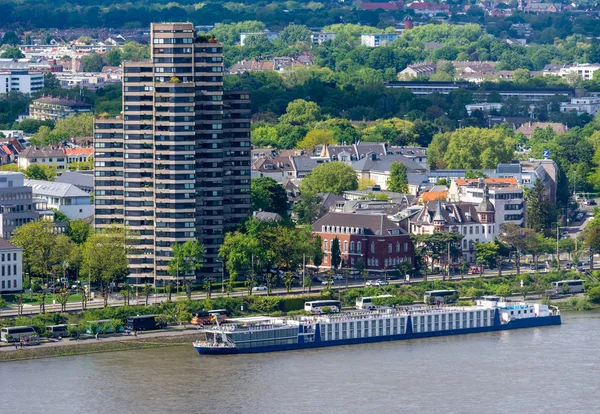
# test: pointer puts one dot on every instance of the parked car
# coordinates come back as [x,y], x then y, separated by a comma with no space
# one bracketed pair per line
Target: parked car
[325,282]
[338,277]
[261,287]
[377,282]
[317,279]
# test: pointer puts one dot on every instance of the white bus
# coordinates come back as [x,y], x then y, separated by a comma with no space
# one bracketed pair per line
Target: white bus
[574,286]
[367,302]
[433,297]
[316,306]
[17,332]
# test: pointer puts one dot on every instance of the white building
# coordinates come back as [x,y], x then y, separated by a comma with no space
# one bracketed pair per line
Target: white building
[320,38]
[269,35]
[584,70]
[66,198]
[11,267]
[377,39]
[588,105]
[484,107]
[46,156]
[504,193]
[475,222]
[22,81]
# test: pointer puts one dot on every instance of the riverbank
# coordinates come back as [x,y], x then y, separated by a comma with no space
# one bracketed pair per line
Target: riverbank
[92,346]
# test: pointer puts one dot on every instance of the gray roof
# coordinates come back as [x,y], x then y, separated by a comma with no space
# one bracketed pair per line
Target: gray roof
[78,179]
[35,152]
[382,164]
[267,216]
[55,189]
[375,224]
[509,168]
[452,213]
[304,164]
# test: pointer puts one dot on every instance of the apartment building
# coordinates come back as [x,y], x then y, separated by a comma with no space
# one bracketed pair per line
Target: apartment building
[11,267]
[176,165]
[16,203]
[22,81]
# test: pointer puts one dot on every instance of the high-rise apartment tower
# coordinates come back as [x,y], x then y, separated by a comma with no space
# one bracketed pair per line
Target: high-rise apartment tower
[176,165]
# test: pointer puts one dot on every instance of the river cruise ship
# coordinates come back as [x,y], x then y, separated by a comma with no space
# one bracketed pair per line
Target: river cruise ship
[268,334]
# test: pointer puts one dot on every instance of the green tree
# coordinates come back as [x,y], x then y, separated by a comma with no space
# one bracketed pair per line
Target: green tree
[40,172]
[301,112]
[78,126]
[293,34]
[487,253]
[330,177]
[105,256]
[538,208]
[78,230]
[336,254]
[187,258]
[316,137]
[264,136]
[268,195]
[288,280]
[147,290]
[10,38]
[134,52]
[37,240]
[471,147]
[398,179]
[12,53]
[113,57]
[93,62]
[59,216]
[591,238]
[309,208]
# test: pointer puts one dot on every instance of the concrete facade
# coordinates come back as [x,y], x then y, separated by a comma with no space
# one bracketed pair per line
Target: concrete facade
[177,165]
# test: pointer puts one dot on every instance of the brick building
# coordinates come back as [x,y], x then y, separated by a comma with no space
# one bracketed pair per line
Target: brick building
[372,238]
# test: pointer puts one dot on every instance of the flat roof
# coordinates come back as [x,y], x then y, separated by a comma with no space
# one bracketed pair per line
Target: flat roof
[250,319]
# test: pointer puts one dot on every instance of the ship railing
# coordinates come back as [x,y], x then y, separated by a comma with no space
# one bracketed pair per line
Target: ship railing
[208,344]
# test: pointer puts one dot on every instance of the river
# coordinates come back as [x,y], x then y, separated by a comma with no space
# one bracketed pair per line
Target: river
[550,369]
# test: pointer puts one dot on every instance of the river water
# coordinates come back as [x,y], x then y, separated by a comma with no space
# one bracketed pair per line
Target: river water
[550,369]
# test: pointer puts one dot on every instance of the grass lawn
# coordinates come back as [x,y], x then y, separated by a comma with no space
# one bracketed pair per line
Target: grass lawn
[12,299]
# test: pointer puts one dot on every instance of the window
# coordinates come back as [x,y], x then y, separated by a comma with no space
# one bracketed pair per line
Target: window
[324,244]
[405,247]
[346,246]
[389,247]
[351,247]
[372,247]
[397,247]
[359,247]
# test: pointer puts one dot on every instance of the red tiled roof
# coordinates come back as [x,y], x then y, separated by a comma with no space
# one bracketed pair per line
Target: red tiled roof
[79,151]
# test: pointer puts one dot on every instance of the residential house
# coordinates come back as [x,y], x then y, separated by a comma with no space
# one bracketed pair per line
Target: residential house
[45,156]
[373,239]
[537,7]
[584,70]
[529,128]
[377,169]
[475,222]
[79,154]
[66,198]
[424,69]
[11,267]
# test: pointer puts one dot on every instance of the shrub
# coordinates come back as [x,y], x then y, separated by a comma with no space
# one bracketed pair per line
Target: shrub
[503,290]
[594,294]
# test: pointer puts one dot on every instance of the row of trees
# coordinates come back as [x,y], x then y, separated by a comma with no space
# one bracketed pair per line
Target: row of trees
[266,247]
